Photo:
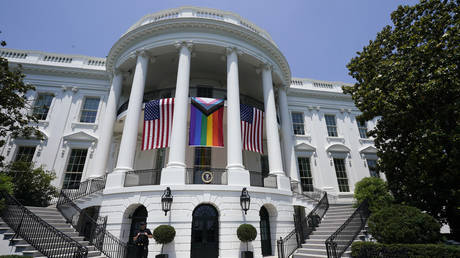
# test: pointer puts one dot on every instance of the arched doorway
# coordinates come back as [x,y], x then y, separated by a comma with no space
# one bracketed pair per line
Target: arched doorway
[139,215]
[205,232]
[85,226]
[265,237]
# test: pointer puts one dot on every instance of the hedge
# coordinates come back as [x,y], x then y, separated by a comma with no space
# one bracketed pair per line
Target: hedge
[372,249]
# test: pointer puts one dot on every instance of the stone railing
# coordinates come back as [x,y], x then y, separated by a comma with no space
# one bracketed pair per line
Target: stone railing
[204,13]
[318,85]
[38,57]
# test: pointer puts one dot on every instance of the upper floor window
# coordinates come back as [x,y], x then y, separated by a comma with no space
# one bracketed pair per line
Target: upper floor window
[42,105]
[371,164]
[74,169]
[341,174]
[25,153]
[362,127]
[298,123]
[306,178]
[331,125]
[89,110]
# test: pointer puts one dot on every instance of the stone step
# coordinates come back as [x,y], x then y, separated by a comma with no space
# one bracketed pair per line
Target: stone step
[301,255]
[314,246]
[312,251]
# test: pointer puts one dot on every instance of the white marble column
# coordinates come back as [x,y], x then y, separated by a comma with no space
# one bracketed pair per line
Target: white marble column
[174,173]
[106,128]
[275,161]
[128,143]
[287,139]
[237,175]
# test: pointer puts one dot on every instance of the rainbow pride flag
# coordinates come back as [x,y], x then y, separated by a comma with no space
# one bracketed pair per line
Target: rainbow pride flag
[206,127]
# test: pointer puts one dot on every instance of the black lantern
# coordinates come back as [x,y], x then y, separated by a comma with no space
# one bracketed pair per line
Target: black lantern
[166,200]
[245,200]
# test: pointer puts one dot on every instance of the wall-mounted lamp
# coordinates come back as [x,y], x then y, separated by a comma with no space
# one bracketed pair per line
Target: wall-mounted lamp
[245,200]
[166,200]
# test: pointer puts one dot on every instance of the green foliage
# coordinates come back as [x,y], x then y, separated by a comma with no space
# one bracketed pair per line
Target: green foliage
[246,233]
[371,249]
[32,186]
[5,185]
[164,234]
[409,77]
[403,224]
[375,190]
[13,103]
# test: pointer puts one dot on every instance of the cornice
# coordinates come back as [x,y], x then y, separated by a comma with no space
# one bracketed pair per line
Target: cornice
[196,24]
[65,71]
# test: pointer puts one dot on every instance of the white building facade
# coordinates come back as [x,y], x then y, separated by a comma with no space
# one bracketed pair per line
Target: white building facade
[91,112]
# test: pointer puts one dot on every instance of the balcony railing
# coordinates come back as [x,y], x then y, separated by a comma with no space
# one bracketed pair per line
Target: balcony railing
[213,176]
[143,177]
[194,91]
[262,179]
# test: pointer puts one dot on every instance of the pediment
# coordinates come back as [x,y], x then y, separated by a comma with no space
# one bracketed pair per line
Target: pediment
[369,150]
[338,148]
[80,136]
[304,147]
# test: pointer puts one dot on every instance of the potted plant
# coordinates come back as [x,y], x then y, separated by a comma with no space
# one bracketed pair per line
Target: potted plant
[163,234]
[246,233]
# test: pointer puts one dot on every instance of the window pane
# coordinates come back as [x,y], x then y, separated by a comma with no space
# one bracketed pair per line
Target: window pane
[89,110]
[25,153]
[362,127]
[341,173]
[75,167]
[331,125]
[298,123]
[42,105]
[371,164]
[160,159]
[306,178]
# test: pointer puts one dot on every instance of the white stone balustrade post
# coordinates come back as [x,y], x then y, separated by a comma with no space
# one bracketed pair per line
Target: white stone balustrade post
[106,128]
[174,173]
[128,143]
[237,175]
[287,137]
[275,162]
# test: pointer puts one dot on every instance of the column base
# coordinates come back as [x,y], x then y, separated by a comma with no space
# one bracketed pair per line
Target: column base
[116,179]
[173,176]
[284,183]
[238,176]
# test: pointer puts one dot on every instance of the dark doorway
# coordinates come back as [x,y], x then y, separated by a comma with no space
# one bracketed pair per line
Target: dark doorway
[87,227]
[139,215]
[205,232]
[265,232]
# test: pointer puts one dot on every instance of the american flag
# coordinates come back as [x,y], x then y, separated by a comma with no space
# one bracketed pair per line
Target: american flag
[252,128]
[158,116]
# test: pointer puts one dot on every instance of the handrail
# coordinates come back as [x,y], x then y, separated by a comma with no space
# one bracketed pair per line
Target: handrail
[302,228]
[38,233]
[87,187]
[340,240]
[103,240]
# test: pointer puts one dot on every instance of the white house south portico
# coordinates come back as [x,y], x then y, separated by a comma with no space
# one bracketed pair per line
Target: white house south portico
[310,141]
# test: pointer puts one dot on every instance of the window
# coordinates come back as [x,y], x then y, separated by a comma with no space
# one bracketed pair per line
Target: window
[89,110]
[25,153]
[362,127]
[42,105]
[160,159]
[202,163]
[74,169]
[298,123]
[341,173]
[371,164]
[306,179]
[331,125]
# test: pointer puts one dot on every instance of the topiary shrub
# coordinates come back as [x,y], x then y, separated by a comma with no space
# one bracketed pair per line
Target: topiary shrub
[375,190]
[403,224]
[164,234]
[246,233]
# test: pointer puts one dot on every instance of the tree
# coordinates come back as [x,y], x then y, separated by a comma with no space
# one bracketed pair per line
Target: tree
[14,119]
[31,186]
[375,190]
[409,78]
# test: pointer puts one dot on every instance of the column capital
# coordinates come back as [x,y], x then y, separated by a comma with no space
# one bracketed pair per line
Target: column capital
[229,50]
[142,52]
[187,44]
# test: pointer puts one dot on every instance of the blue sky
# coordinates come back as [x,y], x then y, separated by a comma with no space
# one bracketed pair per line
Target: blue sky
[318,38]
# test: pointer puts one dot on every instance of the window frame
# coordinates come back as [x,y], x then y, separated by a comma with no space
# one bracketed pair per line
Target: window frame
[18,147]
[82,109]
[372,172]
[306,178]
[335,127]
[362,127]
[35,100]
[63,185]
[342,187]
[302,116]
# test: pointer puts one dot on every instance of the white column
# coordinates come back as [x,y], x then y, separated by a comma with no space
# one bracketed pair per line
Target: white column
[106,128]
[174,173]
[128,143]
[287,138]
[275,162]
[237,175]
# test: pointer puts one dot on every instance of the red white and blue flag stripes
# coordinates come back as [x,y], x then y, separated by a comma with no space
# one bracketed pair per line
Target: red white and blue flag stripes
[158,116]
[252,128]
